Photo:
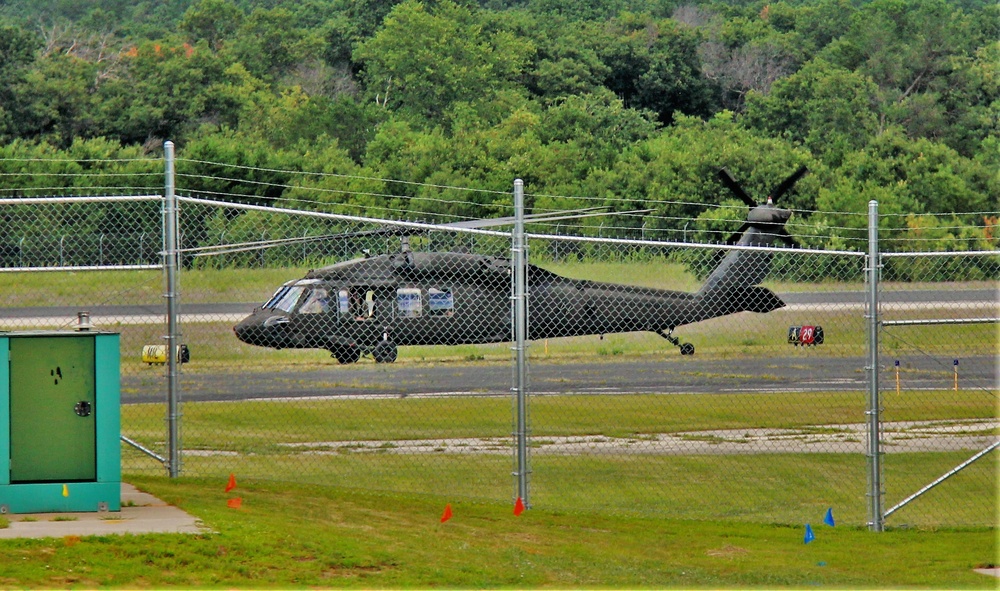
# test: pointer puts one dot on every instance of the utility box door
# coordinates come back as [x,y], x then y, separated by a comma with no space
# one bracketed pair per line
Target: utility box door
[53,435]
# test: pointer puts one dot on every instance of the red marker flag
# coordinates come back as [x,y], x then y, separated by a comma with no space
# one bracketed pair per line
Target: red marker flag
[519,506]
[235,503]
[232,482]
[447,513]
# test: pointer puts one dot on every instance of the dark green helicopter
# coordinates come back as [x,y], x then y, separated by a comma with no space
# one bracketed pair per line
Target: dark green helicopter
[375,304]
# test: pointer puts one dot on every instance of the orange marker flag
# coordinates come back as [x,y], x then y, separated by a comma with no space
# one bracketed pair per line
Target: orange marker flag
[447,513]
[518,507]
[232,482]
[235,503]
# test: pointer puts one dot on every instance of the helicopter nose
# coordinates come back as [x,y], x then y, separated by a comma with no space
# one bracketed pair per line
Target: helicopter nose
[250,331]
[263,331]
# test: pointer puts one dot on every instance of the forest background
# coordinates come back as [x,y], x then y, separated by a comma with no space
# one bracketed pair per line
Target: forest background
[632,104]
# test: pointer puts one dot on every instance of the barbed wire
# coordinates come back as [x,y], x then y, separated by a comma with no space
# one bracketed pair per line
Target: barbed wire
[797,230]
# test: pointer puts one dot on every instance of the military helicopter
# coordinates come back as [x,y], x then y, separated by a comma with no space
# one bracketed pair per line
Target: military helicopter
[375,304]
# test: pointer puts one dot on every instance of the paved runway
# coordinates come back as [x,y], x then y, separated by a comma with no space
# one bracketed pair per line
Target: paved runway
[814,372]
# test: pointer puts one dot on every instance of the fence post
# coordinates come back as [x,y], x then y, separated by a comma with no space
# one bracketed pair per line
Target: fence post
[520,335]
[876,520]
[170,263]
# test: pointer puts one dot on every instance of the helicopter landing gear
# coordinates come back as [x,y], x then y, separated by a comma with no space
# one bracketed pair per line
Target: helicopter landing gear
[384,352]
[345,354]
[686,348]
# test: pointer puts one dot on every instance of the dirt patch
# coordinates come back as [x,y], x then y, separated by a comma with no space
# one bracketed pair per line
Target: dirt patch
[899,437]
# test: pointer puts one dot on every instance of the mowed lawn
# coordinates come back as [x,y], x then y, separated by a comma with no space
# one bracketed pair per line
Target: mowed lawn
[297,536]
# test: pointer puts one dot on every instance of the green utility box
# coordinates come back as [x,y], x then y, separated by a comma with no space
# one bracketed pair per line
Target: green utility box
[60,422]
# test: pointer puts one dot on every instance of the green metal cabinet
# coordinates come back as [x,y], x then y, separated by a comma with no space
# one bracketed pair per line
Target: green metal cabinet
[60,422]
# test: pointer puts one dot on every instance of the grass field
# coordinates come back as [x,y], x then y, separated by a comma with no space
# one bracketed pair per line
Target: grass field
[465,451]
[300,536]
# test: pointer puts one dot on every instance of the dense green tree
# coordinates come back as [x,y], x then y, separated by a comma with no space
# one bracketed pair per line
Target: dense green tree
[55,100]
[430,108]
[675,174]
[269,43]
[822,106]
[17,52]
[161,93]
[654,65]
[212,21]
[426,58]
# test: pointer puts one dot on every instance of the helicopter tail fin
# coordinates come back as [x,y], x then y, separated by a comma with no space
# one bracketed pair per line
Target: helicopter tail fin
[732,287]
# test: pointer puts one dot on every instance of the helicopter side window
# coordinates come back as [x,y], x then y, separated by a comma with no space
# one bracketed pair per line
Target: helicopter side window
[441,302]
[316,302]
[408,302]
[287,300]
[344,302]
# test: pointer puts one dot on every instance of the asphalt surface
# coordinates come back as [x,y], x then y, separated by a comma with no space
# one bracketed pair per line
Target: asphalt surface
[812,371]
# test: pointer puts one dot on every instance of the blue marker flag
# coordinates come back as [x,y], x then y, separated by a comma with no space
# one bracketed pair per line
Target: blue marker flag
[829,517]
[809,534]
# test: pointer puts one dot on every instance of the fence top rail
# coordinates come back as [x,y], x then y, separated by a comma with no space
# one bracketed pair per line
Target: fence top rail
[451,228]
[79,199]
[81,268]
[634,242]
[946,253]
[340,217]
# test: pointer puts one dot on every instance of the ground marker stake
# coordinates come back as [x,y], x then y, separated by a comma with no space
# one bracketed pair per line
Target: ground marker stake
[829,518]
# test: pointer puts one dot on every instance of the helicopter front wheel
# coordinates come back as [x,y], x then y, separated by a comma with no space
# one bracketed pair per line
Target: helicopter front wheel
[384,352]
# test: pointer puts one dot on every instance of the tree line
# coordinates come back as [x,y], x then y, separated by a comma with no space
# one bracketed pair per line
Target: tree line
[632,104]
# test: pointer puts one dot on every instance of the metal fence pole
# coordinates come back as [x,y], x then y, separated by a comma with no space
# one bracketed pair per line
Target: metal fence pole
[520,336]
[170,263]
[876,519]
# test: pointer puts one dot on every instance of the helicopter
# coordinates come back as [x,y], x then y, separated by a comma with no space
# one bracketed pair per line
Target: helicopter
[373,305]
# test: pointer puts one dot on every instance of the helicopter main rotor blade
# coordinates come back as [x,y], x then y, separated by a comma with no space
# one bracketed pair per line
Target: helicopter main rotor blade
[728,180]
[788,183]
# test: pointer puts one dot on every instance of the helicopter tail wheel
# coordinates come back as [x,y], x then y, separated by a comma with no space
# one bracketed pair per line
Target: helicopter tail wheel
[686,348]
[384,352]
[346,354]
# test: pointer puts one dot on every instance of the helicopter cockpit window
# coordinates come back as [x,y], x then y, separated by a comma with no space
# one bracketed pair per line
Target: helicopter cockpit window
[276,297]
[286,300]
[441,302]
[317,301]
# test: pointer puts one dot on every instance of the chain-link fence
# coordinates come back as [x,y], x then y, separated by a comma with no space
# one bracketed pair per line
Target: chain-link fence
[939,387]
[703,381]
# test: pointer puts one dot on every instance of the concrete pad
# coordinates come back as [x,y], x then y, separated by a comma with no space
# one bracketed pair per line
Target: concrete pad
[993,572]
[141,513]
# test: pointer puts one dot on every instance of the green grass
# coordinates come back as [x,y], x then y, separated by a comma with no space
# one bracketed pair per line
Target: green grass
[254,424]
[300,536]
[352,442]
